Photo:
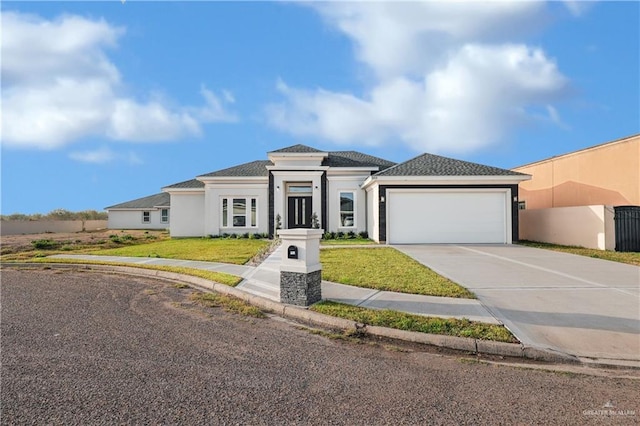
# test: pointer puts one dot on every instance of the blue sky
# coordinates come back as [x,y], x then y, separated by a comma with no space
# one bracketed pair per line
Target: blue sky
[104,102]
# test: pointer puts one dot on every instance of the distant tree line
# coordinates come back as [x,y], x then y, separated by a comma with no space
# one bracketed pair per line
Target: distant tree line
[58,214]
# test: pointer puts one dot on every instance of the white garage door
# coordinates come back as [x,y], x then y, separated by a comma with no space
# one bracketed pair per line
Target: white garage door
[430,216]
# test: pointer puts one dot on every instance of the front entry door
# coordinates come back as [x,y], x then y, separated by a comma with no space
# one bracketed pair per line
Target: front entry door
[299,212]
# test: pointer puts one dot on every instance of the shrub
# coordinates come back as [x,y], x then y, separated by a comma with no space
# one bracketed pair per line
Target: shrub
[44,244]
[364,235]
[245,235]
[340,235]
[351,235]
[315,223]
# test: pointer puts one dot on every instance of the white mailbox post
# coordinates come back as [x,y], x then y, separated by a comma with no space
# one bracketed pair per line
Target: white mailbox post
[300,271]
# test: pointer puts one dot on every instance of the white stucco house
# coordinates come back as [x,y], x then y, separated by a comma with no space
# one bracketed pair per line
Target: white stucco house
[150,212]
[427,199]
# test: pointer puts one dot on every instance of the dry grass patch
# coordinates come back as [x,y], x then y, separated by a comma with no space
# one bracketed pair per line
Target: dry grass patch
[219,277]
[228,303]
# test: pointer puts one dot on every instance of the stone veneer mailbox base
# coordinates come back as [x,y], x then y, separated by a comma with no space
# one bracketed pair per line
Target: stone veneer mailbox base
[301,276]
[301,289]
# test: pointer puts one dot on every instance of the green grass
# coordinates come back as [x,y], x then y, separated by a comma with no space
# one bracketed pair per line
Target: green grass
[229,303]
[419,323]
[385,268]
[342,242]
[219,277]
[236,251]
[631,258]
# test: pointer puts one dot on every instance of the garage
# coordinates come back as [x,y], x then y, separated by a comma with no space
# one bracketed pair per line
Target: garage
[449,216]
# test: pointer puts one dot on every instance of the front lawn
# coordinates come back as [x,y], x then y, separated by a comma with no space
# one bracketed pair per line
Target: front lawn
[632,258]
[385,268]
[412,322]
[237,251]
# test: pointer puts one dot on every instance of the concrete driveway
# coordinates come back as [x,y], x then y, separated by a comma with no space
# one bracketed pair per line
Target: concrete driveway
[574,304]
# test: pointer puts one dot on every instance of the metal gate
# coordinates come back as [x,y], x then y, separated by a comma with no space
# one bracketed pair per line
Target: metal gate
[627,221]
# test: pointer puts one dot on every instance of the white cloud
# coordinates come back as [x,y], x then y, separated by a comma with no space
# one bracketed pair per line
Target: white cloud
[577,8]
[98,156]
[59,86]
[215,109]
[447,77]
[105,155]
[399,37]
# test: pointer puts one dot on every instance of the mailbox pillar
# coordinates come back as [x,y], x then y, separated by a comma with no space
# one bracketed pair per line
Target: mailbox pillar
[300,270]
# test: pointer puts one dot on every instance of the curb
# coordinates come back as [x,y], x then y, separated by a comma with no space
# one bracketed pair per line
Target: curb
[304,315]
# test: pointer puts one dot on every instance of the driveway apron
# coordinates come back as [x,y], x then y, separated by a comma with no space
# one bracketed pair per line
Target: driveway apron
[573,304]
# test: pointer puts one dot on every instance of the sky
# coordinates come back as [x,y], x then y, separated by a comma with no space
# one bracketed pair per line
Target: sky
[105,102]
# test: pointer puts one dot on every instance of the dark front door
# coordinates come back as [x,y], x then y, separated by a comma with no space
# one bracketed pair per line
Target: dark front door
[299,212]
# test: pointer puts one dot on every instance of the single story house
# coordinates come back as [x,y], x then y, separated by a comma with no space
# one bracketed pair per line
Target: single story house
[150,212]
[427,199]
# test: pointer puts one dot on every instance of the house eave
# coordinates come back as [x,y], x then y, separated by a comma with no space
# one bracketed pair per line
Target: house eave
[339,170]
[445,180]
[184,190]
[230,179]
[295,168]
[133,209]
[297,154]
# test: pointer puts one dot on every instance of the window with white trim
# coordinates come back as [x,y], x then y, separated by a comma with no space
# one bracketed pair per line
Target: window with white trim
[239,212]
[164,215]
[347,209]
[146,217]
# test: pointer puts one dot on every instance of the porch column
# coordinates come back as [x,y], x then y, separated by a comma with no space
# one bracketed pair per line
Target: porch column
[300,270]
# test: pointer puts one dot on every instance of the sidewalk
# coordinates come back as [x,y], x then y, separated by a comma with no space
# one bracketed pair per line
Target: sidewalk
[264,281]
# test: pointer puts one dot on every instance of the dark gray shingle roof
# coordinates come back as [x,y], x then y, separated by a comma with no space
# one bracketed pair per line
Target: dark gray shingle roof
[157,200]
[435,165]
[187,184]
[355,159]
[254,168]
[299,148]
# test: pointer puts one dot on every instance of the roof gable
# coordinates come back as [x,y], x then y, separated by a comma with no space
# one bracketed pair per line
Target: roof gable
[355,159]
[187,184]
[253,168]
[162,199]
[435,165]
[299,148]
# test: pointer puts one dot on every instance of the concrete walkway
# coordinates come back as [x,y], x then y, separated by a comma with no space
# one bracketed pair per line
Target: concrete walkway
[264,281]
[577,305]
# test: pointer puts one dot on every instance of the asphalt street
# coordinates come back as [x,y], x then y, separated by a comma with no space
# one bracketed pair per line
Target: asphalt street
[91,348]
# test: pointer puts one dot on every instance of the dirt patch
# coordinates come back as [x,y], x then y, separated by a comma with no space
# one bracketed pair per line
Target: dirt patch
[11,244]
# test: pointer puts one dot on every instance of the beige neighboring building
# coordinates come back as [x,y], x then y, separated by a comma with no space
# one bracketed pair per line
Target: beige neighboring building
[606,174]
[571,199]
